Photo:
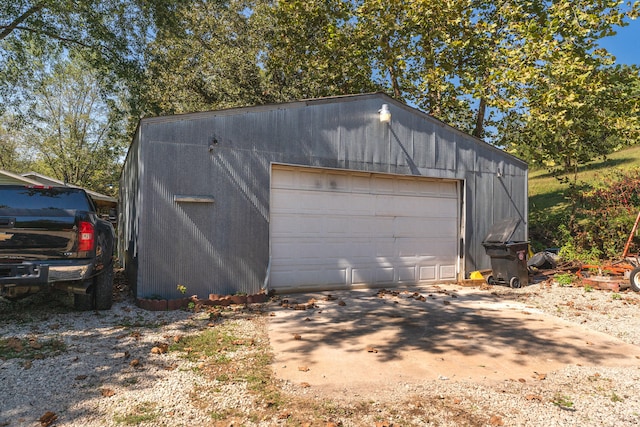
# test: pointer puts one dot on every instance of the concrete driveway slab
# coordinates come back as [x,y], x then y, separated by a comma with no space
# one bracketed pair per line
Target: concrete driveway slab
[356,342]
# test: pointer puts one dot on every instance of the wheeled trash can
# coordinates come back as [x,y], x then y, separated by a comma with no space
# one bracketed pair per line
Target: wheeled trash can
[508,258]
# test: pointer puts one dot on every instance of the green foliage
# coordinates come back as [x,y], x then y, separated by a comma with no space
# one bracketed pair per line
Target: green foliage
[603,214]
[565,279]
[553,214]
[69,128]
[562,401]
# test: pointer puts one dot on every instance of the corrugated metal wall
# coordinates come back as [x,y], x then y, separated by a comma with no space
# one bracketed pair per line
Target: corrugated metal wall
[195,188]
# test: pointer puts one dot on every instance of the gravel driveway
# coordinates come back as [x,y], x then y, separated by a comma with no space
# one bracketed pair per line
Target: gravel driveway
[128,366]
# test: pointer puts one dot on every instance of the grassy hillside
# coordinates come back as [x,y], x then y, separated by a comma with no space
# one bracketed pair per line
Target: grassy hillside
[546,193]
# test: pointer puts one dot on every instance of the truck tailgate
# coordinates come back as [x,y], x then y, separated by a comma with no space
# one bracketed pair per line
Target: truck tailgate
[37,233]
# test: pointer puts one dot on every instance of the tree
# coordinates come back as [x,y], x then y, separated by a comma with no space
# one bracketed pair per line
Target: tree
[110,35]
[71,131]
[209,62]
[312,49]
[570,103]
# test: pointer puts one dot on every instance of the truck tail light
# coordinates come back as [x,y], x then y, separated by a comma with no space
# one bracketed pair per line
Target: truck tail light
[85,236]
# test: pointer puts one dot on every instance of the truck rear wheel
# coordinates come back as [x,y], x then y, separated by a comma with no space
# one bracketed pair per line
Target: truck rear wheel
[103,288]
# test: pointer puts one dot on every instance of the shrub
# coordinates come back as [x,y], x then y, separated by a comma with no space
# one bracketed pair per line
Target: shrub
[602,216]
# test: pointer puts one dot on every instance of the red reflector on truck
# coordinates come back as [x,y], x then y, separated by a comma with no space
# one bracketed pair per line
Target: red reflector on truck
[85,236]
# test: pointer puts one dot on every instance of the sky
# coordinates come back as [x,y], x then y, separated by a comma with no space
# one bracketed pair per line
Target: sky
[625,45]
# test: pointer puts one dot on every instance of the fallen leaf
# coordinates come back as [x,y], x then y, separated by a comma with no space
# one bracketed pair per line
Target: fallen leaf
[305,385]
[135,363]
[372,350]
[284,415]
[342,303]
[27,364]
[14,344]
[297,337]
[522,380]
[542,377]
[533,397]
[47,419]
[107,392]
[303,368]
[81,377]
[496,421]
[160,348]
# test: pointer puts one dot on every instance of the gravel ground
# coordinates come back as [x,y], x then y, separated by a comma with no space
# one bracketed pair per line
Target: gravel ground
[128,366]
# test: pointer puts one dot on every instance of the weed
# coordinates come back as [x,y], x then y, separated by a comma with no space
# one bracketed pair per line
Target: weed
[616,296]
[222,378]
[588,288]
[211,342]
[616,398]
[30,348]
[562,401]
[144,412]
[565,279]
[130,381]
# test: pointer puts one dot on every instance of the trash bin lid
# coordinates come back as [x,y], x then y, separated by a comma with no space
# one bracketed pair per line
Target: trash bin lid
[501,231]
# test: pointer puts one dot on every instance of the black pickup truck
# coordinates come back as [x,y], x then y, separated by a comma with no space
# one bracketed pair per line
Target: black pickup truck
[52,238]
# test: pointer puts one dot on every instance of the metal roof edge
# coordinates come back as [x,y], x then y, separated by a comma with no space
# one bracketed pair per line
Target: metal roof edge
[319,101]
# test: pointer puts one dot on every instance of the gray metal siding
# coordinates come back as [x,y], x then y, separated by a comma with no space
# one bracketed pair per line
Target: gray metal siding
[223,247]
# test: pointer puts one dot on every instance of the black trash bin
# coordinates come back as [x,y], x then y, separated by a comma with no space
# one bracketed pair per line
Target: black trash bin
[508,258]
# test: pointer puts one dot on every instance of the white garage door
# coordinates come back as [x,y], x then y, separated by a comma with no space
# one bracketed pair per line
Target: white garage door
[335,229]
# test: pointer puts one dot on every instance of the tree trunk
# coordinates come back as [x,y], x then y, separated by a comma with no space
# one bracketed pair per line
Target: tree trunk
[479,129]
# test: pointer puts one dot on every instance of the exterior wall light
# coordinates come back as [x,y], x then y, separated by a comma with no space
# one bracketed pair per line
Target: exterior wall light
[385,114]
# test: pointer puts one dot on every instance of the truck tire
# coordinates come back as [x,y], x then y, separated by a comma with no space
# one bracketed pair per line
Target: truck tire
[99,295]
[83,302]
[103,288]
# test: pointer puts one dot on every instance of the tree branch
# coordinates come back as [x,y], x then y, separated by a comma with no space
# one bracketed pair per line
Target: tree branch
[8,29]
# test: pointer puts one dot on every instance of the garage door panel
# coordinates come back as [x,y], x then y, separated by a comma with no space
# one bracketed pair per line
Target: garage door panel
[361,276]
[428,272]
[384,275]
[342,229]
[407,274]
[448,272]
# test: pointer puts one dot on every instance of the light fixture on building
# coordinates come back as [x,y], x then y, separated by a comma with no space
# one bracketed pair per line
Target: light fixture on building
[385,114]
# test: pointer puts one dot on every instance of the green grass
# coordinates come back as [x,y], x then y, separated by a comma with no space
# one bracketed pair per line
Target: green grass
[16,348]
[547,192]
[548,207]
[142,413]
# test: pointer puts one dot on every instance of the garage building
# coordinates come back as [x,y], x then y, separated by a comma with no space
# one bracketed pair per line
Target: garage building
[331,193]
